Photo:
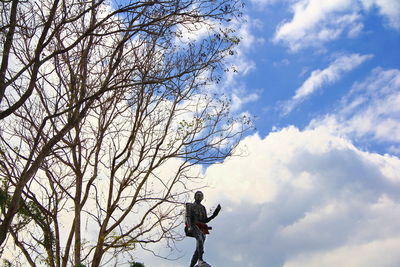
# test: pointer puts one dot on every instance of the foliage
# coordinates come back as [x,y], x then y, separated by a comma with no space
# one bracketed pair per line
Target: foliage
[6,263]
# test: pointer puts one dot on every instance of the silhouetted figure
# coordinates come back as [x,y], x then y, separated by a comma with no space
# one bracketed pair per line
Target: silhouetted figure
[196,225]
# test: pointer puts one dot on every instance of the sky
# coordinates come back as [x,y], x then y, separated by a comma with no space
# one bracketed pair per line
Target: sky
[318,183]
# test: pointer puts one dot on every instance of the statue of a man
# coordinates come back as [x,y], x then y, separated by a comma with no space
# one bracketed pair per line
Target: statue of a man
[196,219]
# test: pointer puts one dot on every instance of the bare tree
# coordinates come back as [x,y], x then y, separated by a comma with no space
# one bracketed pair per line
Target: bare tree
[104,113]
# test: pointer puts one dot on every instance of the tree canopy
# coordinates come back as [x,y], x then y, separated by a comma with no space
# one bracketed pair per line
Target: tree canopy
[106,113]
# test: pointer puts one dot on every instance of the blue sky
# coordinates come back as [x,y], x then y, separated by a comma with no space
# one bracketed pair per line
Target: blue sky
[320,183]
[283,62]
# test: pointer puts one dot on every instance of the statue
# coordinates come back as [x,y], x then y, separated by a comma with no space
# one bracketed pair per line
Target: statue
[196,226]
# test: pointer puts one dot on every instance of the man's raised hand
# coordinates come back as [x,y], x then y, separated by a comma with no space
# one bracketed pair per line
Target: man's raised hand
[217,210]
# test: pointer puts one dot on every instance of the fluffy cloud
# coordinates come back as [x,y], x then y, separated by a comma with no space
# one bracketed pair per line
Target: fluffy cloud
[238,102]
[350,256]
[390,9]
[303,197]
[317,22]
[329,75]
[371,110]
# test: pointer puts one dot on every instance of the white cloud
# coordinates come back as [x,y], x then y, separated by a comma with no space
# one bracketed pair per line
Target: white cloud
[304,196]
[390,9]
[320,78]
[365,255]
[317,22]
[370,110]
[277,160]
[238,100]
[300,198]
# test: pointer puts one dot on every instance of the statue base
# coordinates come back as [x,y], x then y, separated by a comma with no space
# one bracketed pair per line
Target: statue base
[202,264]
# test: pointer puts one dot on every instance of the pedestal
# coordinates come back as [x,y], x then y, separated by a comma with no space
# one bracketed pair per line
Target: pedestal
[203,264]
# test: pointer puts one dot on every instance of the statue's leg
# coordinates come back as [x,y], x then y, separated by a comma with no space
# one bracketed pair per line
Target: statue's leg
[194,259]
[200,243]
[198,254]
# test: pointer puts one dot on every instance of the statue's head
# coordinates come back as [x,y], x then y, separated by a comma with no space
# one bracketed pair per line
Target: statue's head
[198,196]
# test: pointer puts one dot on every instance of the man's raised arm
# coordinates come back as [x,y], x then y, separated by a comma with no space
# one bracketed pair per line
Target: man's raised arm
[215,213]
